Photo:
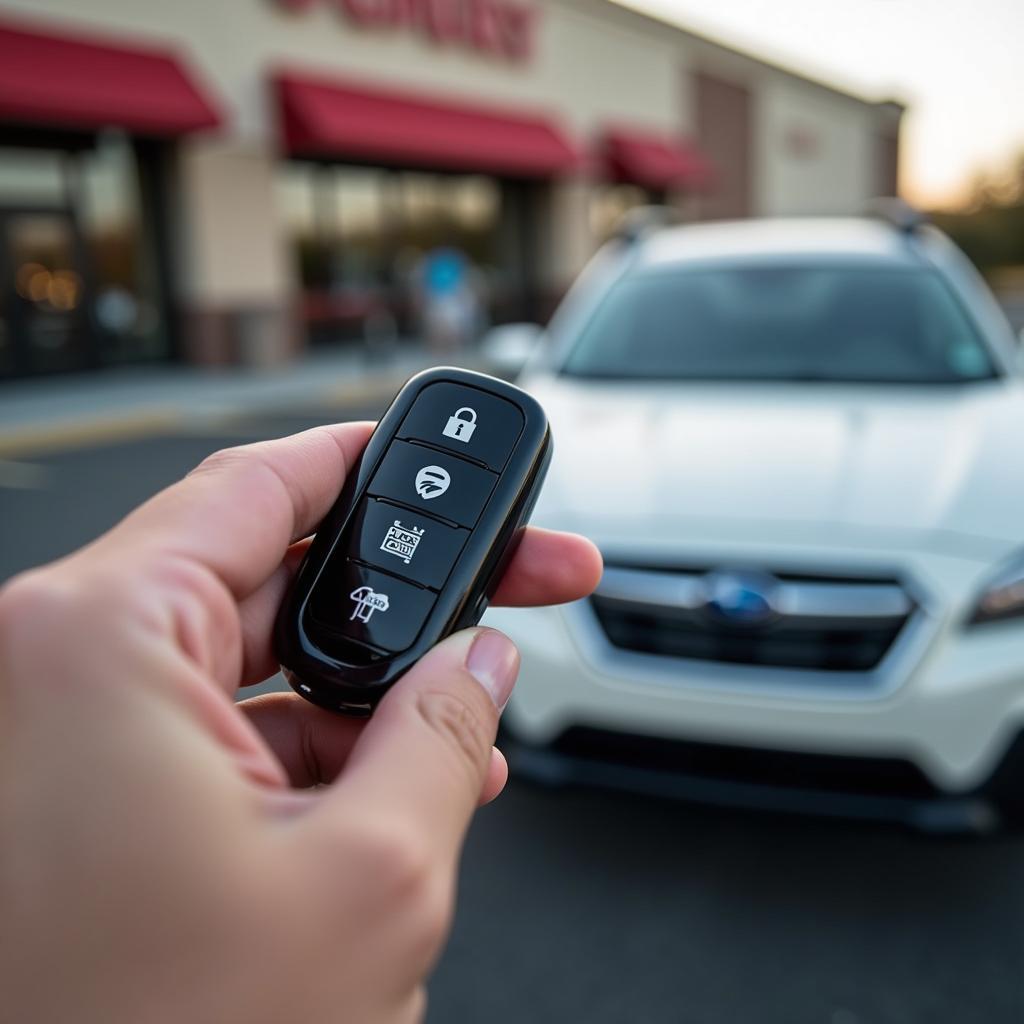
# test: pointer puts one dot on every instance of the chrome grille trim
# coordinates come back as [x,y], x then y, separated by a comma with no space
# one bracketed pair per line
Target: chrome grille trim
[804,599]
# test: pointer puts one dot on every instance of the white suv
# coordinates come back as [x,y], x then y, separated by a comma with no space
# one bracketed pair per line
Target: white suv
[800,447]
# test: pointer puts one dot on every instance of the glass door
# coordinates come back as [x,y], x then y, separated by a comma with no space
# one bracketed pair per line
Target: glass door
[44,323]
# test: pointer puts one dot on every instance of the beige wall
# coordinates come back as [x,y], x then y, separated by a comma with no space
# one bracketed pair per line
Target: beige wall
[835,170]
[232,245]
[815,152]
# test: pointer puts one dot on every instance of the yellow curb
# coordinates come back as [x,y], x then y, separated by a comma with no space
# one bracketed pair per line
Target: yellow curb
[343,395]
[328,400]
[83,433]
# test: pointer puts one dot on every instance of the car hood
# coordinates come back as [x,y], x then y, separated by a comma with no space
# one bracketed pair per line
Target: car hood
[936,465]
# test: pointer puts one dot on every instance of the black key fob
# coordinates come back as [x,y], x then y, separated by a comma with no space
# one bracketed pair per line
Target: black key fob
[419,538]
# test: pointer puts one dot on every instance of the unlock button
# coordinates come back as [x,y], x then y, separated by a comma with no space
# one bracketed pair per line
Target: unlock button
[467,422]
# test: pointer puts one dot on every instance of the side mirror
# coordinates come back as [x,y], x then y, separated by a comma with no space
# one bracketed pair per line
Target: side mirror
[508,348]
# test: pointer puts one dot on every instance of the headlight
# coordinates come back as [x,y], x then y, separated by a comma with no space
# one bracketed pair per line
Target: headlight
[1003,596]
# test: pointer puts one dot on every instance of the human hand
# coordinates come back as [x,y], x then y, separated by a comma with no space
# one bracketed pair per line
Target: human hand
[164,855]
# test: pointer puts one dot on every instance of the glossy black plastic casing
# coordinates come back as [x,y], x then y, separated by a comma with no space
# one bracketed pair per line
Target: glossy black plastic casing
[344,675]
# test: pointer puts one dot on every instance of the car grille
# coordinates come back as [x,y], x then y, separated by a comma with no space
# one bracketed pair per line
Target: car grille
[823,624]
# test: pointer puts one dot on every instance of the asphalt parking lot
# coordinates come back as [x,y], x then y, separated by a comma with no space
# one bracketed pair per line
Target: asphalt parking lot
[584,906]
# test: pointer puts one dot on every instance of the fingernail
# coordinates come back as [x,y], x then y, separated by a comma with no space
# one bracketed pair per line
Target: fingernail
[493,661]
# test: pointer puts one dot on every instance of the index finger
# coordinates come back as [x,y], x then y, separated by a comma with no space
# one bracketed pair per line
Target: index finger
[239,511]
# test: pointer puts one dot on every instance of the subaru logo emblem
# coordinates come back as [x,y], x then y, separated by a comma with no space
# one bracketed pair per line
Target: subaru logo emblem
[741,598]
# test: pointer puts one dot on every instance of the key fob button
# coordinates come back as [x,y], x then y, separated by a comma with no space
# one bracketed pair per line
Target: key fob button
[433,482]
[412,546]
[466,421]
[370,606]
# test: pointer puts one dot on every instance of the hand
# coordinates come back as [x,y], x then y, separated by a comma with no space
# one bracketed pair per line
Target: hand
[164,855]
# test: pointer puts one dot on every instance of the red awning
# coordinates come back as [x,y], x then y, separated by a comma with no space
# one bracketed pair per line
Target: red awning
[82,82]
[655,161]
[341,120]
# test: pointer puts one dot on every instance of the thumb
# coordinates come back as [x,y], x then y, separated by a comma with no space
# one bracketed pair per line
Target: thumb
[424,755]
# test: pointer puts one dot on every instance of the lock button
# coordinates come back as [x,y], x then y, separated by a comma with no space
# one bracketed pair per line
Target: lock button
[461,424]
[466,422]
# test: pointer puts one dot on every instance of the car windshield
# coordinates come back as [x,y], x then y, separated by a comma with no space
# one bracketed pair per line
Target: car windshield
[839,323]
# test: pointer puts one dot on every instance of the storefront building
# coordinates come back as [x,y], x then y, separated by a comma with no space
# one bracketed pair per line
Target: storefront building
[233,182]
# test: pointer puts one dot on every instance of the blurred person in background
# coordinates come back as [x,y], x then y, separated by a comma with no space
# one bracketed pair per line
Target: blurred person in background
[170,855]
[448,293]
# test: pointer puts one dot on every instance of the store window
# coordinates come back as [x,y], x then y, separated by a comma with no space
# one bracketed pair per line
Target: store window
[370,245]
[122,256]
[78,278]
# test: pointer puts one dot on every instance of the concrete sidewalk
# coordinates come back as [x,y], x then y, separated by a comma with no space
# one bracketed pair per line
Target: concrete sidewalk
[64,412]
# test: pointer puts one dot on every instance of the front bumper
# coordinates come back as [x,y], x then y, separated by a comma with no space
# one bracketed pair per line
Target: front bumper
[868,789]
[951,717]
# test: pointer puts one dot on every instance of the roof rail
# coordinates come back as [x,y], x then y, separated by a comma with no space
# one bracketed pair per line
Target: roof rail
[896,212]
[642,220]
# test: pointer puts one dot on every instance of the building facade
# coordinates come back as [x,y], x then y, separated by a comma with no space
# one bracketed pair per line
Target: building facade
[233,182]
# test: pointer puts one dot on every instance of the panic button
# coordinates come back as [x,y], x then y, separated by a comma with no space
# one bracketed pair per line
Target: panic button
[467,422]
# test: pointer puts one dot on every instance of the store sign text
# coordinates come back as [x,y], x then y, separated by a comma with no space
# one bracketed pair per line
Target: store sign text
[498,28]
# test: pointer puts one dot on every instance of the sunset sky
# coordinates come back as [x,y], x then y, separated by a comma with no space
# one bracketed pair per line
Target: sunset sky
[958,63]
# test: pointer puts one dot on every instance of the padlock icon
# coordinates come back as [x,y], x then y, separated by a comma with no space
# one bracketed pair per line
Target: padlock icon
[461,424]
